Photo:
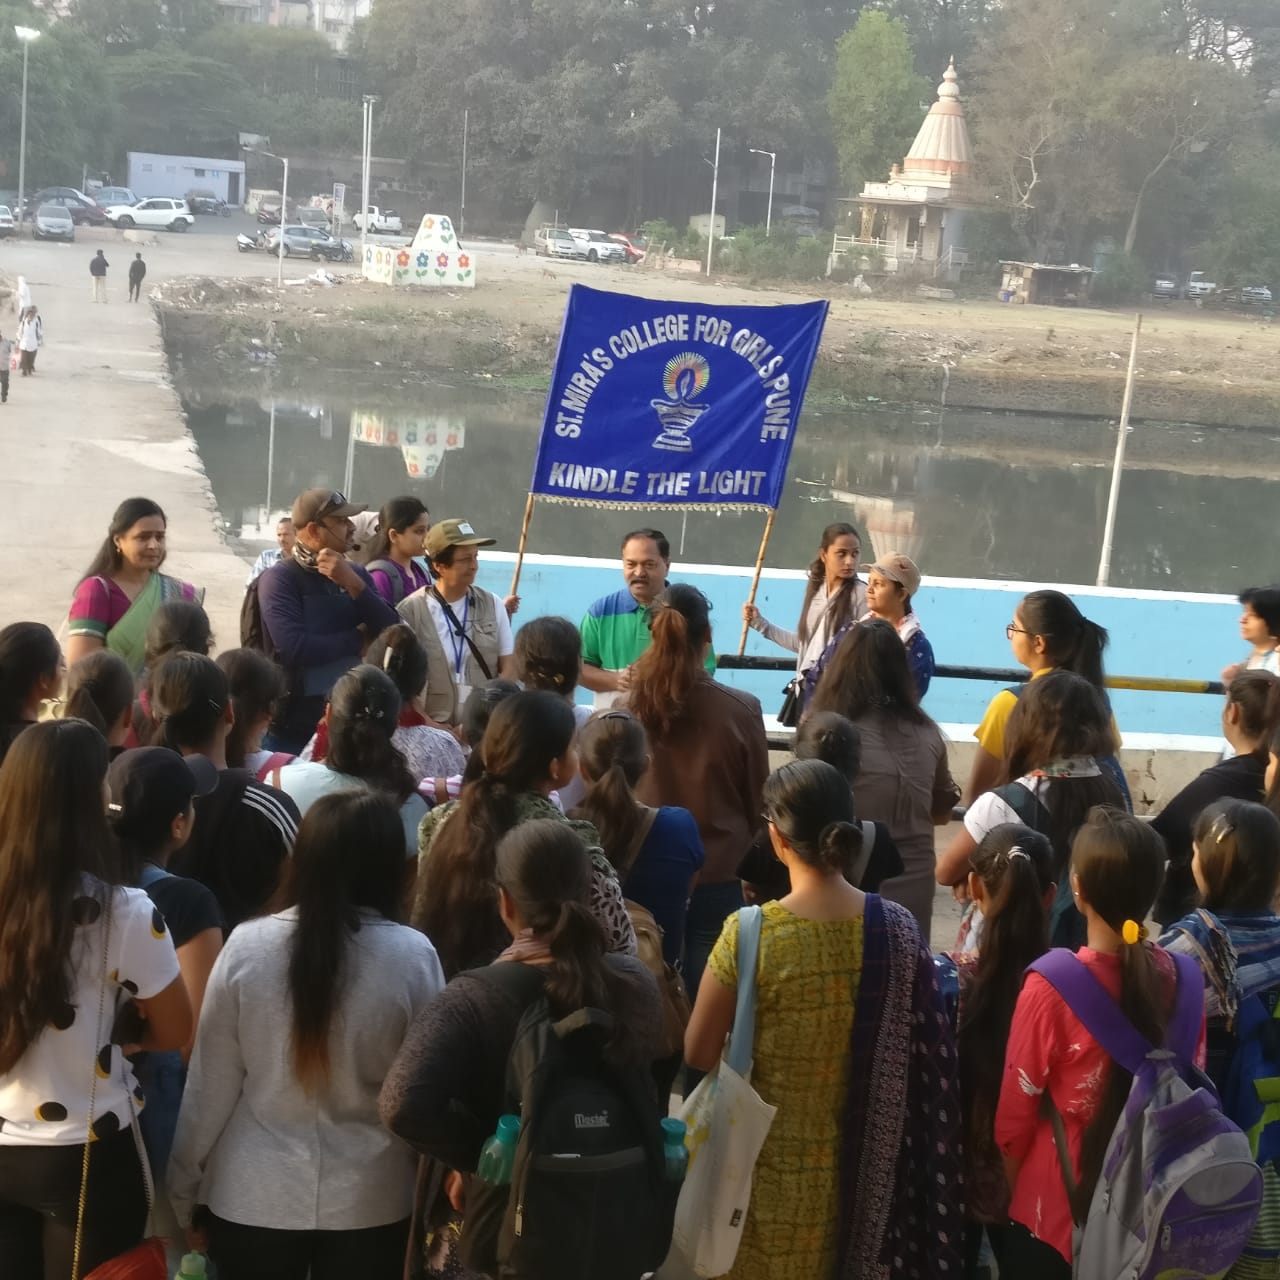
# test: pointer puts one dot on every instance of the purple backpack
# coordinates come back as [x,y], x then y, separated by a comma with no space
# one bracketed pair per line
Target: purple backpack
[1179,1191]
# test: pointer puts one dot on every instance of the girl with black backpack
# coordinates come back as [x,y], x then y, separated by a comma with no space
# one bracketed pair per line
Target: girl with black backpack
[451,1081]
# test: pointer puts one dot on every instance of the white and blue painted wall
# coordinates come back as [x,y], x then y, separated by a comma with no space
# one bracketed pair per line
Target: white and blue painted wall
[1153,633]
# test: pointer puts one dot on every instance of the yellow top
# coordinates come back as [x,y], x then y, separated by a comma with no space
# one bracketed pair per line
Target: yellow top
[807,982]
[990,733]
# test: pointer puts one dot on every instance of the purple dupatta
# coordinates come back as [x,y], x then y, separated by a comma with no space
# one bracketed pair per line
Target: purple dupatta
[900,1206]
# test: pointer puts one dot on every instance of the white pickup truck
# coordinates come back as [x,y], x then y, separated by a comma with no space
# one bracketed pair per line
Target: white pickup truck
[379,220]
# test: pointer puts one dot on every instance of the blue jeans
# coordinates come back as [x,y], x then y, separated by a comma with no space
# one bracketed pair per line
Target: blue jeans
[163,1076]
[710,906]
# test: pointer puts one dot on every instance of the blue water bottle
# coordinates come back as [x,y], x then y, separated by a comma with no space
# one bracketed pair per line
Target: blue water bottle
[675,1153]
[498,1155]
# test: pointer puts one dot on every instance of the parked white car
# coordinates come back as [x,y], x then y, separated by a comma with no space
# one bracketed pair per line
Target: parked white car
[1200,286]
[384,220]
[598,247]
[159,212]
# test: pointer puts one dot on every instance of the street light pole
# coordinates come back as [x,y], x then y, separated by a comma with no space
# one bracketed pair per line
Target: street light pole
[366,161]
[26,35]
[773,159]
[462,203]
[284,206]
[284,217]
[715,184]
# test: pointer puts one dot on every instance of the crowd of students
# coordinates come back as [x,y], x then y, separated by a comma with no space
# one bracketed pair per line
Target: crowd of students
[285,912]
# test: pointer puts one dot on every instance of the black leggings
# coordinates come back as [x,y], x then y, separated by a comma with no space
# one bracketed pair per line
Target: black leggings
[263,1253]
[39,1196]
[998,1238]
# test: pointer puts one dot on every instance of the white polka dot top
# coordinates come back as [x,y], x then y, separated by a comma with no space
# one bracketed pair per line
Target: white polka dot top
[44,1100]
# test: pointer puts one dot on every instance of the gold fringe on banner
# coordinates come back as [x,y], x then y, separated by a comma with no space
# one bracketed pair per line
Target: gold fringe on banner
[654,506]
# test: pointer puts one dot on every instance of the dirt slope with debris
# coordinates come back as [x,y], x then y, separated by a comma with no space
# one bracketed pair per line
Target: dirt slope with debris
[1195,365]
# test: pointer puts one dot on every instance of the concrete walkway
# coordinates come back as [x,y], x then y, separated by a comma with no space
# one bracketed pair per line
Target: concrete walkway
[100,422]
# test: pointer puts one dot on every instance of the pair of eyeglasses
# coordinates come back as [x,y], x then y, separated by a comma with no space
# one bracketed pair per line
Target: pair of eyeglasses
[767,818]
[1014,630]
[613,715]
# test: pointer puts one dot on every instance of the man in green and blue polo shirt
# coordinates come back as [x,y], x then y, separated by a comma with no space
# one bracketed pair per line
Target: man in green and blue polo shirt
[615,631]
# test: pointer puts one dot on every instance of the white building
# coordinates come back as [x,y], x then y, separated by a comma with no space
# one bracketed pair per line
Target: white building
[157,175]
[333,19]
[914,222]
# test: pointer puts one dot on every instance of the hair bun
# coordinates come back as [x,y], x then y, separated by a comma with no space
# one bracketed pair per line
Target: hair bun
[838,844]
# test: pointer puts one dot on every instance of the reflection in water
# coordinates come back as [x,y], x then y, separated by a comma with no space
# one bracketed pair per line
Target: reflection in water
[966,494]
[423,439]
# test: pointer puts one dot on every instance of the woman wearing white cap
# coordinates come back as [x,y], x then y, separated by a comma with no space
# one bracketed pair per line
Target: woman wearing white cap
[891,583]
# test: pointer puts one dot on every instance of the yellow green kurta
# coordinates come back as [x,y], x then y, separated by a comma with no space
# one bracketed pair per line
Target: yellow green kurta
[807,981]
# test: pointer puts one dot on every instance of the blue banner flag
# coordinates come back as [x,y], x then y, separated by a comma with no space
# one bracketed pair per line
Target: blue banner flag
[674,404]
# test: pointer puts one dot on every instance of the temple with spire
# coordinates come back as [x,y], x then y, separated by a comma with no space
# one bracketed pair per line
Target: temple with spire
[913,223]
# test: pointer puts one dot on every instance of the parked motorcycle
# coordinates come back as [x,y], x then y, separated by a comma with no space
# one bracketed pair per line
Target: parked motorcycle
[333,250]
[249,244]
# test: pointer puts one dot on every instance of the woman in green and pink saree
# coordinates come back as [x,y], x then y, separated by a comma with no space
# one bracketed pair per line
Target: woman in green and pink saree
[124,586]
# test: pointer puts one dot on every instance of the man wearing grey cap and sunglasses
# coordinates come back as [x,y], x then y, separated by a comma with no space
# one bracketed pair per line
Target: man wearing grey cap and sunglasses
[318,612]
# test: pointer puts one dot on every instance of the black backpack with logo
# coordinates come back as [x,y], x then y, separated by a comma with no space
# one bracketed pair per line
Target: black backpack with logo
[588,1197]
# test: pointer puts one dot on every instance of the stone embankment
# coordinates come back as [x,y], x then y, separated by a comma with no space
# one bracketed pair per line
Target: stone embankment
[1209,368]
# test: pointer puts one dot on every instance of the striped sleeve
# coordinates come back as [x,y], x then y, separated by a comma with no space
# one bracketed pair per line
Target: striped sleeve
[90,613]
[276,808]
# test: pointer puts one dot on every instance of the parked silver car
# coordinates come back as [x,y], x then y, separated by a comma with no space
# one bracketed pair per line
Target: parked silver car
[301,240]
[6,220]
[558,242]
[53,222]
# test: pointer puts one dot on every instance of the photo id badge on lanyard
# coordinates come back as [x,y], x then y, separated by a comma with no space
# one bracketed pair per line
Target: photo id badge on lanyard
[458,639]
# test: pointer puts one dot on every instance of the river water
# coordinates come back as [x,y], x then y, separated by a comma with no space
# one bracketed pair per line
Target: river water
[966,493]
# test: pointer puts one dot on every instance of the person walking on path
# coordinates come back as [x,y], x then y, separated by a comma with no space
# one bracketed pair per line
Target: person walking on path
[137,273]
[30,340]
[98,270]
[6,354]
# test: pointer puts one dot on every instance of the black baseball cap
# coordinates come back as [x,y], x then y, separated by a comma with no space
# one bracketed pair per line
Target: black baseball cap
[150,786]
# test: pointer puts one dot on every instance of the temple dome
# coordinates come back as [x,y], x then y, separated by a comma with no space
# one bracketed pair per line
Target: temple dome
[942,145]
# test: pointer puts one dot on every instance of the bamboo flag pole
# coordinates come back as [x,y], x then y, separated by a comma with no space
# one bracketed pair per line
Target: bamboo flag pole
[524,537]
[755,580]
[1113,498]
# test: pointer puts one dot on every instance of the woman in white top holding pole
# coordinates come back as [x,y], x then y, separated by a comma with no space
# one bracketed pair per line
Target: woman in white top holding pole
[833,597]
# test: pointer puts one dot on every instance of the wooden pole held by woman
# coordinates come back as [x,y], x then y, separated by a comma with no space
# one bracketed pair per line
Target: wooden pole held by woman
[755,578]
[524,537]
